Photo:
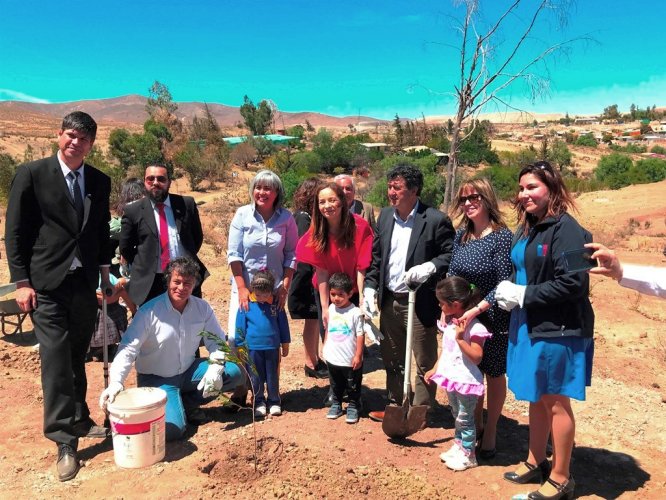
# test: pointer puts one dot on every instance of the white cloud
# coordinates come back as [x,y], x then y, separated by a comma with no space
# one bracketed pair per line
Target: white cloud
[13,95]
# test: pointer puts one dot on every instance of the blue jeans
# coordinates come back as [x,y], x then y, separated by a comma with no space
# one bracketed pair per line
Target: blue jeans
[266,362]
[186,384]
[462,407]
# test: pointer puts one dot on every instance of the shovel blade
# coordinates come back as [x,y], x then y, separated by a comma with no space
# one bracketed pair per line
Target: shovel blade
[402,421]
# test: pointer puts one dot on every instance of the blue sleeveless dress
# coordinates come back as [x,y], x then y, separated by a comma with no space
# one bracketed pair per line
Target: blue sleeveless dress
[535,367]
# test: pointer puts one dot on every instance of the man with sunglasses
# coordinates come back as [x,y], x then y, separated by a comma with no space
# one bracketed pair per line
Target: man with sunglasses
[155,230]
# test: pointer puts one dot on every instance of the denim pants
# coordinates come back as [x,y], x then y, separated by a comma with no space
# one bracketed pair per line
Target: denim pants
[184,386]
[267,363]
[462,407]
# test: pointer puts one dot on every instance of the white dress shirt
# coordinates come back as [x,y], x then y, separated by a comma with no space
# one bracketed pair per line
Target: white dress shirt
[163,341]
[397,259]
[70,185]
[176,248]
[647,280]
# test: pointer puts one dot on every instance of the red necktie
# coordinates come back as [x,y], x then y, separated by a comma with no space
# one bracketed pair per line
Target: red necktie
[164,237]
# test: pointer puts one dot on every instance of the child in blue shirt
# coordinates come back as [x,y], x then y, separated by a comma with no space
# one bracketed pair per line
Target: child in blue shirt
[263,330]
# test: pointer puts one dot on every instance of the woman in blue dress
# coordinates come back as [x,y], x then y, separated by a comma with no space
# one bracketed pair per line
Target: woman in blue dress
[481,250]
[550,351]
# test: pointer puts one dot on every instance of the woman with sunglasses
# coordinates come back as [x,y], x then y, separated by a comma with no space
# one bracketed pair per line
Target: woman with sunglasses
[481,256]
[550,335]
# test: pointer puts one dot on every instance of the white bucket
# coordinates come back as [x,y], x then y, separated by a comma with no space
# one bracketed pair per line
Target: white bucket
[137,423]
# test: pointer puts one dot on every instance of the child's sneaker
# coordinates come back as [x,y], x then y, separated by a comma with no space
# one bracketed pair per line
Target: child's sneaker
[275,410]
[260,411]
[352,415]
[335,411]
[461,461]
[451,451]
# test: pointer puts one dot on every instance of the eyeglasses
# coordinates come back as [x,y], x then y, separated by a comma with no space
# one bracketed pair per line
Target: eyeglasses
[472,198]
[156,178]
[543,165]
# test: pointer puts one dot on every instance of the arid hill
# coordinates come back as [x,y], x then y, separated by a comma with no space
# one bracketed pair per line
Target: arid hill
[131,109]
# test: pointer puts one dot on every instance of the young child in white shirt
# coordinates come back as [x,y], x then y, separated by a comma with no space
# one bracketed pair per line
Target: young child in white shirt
[343,348]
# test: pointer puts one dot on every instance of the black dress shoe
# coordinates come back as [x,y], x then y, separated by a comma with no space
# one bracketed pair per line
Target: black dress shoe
[68,463]
[320,373]
[536,473]
[564,490]
[88,428]
[486,454]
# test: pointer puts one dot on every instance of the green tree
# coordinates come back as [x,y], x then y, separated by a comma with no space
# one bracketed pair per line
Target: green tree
[559,154]
[503,179]
[296,131]
[322,145]
[257,118]
[308,161]
[121,147]
[613,170]
[648,170]
[399,132]
[586,140]
[159,98]
[660,150]
[7,170]
[611,113]
[476,147]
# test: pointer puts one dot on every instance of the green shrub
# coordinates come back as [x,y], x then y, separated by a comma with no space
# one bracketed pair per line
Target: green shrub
[629,148]
[291,179]
[660,150]
[586,140]
[613,170]
[504,179]
[7,170]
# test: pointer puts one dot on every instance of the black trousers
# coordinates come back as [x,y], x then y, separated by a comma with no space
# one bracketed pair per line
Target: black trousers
[64,322]
[344,378]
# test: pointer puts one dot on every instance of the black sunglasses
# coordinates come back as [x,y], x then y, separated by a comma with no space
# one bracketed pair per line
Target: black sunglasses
[154,178]
[472,198]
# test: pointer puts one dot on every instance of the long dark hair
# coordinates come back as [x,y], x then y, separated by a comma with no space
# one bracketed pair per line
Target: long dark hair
[320,230]
[305,194]
[132,189]
[457,289]
[559,199]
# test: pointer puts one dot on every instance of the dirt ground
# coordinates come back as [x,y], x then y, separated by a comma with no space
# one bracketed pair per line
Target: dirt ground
[621,428]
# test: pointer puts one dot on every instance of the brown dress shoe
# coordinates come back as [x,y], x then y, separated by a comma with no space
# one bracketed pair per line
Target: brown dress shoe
[377,416]
[88,428]
[68,463]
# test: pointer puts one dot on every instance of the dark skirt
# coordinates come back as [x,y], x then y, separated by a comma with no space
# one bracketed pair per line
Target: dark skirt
[116,325]
[301,300]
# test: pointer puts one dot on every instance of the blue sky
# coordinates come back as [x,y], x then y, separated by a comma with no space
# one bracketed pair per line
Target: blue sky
[372,57]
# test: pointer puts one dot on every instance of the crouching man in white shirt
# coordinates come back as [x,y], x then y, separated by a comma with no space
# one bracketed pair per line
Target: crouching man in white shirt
[162,340]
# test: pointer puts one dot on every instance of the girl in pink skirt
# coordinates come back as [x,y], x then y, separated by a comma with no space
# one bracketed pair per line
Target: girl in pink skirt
[457,371]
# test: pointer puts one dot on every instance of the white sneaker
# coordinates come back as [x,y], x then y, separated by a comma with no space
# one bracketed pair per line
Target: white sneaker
[275,410]
[450,452]
[260,411]
[461,461]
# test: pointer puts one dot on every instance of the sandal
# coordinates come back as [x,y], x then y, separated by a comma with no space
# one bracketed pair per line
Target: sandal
[535,473]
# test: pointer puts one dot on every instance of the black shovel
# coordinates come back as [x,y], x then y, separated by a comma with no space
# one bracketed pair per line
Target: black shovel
[402,421]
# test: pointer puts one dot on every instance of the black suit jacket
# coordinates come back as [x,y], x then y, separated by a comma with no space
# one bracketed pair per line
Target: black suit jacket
[431,240]
[41,231]
[140,241]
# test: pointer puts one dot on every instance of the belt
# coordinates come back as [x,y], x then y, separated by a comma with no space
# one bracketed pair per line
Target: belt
[398,295]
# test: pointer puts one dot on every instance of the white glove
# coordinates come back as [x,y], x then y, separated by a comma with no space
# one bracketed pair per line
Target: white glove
[509,295]
[369,307]
[372,332]
[109,394]
[419,274]
[211,383]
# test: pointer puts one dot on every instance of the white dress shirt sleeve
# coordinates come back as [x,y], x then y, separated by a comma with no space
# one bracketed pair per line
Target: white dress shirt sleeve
[647,280]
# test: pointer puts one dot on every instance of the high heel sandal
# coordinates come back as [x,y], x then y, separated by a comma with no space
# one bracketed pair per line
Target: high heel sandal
[564,490]
[480,452]
[536,473]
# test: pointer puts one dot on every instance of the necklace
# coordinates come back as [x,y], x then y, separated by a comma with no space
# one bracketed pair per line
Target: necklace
[486,231]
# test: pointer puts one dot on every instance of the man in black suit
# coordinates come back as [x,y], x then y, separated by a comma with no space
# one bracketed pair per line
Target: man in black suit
[56,235]
[412,245]
[155,230]
[358,207]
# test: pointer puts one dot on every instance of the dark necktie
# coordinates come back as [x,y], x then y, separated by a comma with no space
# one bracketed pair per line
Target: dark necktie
[164,237]
[76,193]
